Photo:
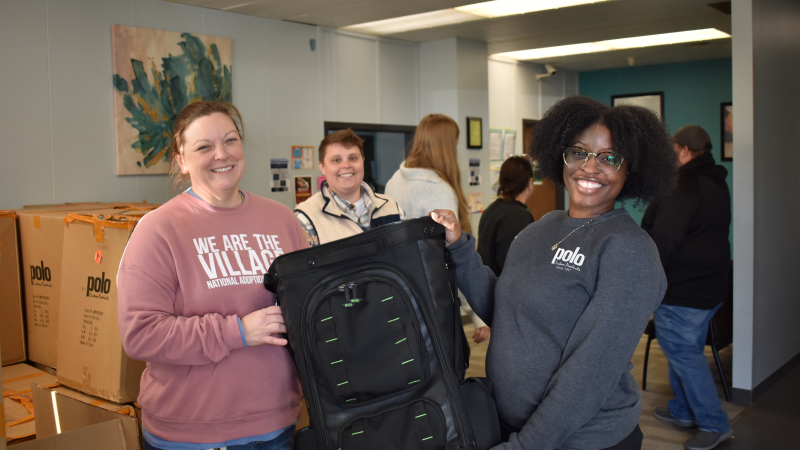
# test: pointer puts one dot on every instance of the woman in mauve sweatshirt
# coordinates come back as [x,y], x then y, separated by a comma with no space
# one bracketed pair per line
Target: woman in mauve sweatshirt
[192,305]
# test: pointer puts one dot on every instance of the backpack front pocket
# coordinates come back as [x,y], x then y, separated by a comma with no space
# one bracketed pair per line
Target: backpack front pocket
[367,340]
[411,426]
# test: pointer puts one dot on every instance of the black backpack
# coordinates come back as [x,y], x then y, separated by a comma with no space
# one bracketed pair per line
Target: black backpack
[375,331]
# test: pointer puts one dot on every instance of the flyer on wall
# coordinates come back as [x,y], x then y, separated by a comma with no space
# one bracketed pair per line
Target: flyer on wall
[302,189]
[475,202]
[509,141]
[495,144]
[302,157]
[474,171]
[279,170]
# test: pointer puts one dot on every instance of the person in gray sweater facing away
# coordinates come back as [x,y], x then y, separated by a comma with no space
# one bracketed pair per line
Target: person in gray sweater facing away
[578,286]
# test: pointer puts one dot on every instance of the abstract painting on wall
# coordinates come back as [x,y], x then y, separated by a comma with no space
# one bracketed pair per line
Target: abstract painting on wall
[156,74]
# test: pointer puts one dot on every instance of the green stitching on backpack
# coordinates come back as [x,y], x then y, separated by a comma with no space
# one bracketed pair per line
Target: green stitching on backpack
[421,415]
[387,299]
[331,340]
[401,340]
[359,432]
[335,362]
[350,400]
[429,437]
[415,381]
[323,320]
[396,318]
[409,361]
[342,383]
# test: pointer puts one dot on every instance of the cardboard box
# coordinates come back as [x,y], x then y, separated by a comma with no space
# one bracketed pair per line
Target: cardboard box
[2,412]
[12,332]
[61,410]
[41,237]
[30,416]
[102,436]
[18,399]
[73,205]
[90,354]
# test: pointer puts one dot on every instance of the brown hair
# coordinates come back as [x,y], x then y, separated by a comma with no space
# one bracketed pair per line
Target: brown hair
[186,117]
[346,138]
[515,173]
[435,148]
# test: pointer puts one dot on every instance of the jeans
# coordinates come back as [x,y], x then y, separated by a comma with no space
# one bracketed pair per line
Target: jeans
[681,333]
[281,442]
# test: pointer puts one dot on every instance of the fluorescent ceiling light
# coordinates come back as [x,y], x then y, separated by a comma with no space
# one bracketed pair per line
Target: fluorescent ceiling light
[414,22]
[468,13]
[500,8]
[618,44]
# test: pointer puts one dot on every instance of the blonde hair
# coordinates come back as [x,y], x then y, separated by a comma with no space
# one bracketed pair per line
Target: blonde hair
[435,148]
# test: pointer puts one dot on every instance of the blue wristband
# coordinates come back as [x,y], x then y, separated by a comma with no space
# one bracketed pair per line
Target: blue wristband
[241,330]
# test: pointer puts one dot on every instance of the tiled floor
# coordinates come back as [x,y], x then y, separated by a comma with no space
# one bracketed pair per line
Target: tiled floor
[657,435]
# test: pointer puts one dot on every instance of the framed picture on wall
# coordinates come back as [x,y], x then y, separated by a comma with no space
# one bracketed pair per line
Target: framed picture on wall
[653,101]
[726,125]
[474,132]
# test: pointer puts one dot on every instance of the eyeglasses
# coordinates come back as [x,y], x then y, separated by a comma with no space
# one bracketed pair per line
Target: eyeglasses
[607,162]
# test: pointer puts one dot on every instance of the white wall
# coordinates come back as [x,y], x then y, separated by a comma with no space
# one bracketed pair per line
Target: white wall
[454,80]
[766,42]
[57,100]
[514,93]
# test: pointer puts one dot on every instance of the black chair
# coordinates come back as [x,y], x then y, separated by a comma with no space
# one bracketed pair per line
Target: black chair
[720,335]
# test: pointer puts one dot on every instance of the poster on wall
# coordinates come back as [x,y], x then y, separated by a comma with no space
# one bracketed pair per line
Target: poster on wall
[494,176]
[320,179]
[475,202]
[302,157]
[509,143]
[302,189]
[156,74]
[495,144]
[474,171]
[726,116]
[279,171]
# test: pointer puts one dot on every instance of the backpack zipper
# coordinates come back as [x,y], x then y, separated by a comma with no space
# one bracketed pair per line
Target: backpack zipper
[350,286]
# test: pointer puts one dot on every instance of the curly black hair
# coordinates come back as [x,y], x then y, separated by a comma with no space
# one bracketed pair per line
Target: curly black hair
[638,135]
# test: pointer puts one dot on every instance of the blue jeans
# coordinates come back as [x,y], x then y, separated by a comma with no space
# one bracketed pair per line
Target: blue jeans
[681,333]
[281,442]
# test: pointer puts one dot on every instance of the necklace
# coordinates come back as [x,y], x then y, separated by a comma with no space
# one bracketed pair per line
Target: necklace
[570,233]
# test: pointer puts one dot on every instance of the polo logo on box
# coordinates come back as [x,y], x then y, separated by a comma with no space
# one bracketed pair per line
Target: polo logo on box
[568,260]
[99,286]
[40,275]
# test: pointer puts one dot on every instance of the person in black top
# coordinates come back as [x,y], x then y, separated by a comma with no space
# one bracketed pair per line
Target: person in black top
[690,227]
[502,221]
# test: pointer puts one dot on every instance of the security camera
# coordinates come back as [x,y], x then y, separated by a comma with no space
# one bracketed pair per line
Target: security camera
[550,72]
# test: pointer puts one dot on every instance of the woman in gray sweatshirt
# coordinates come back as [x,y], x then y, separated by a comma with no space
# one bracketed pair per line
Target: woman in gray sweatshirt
[578,287]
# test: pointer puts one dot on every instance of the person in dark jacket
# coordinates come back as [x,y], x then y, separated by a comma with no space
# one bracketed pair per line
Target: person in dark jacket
[502,221]
[690,227]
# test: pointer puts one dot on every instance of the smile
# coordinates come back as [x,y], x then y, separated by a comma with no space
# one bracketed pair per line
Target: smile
[589,184]
[347,175]
[223,169]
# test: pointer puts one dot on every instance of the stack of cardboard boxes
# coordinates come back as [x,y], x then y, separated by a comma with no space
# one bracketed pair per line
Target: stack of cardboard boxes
[61,262]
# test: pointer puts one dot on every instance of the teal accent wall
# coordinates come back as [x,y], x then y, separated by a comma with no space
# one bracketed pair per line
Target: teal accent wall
[692,91]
